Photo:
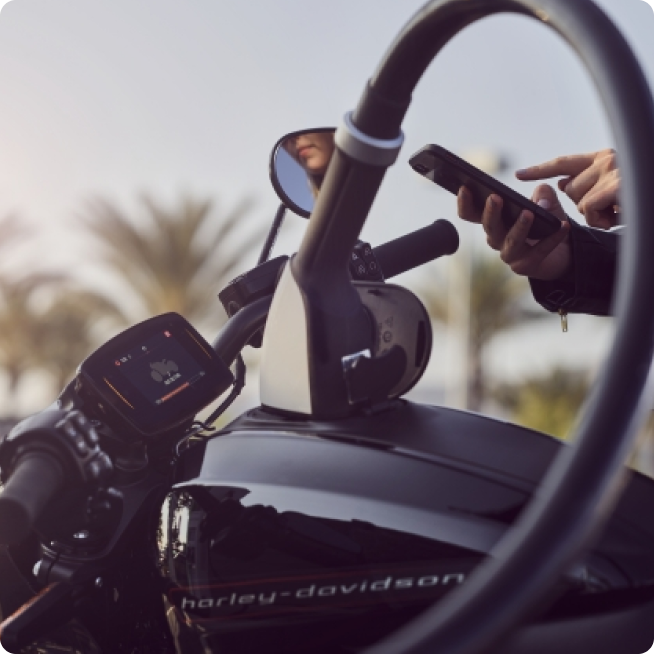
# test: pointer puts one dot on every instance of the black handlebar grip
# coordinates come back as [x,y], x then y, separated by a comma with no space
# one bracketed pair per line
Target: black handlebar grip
[414,249]
[35,479]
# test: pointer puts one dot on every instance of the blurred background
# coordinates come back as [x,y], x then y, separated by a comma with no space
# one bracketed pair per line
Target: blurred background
[134,145]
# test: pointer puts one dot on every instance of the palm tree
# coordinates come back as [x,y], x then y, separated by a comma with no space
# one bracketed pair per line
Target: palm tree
[177,260]
[497,304]
[20,325]
[69,329]
[15,310]
[46,323]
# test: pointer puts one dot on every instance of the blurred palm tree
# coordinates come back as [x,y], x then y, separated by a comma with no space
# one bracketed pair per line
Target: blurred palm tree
[69,330]
[19,325]
[15,313]
[498,302]
[175,260]
[549,403]
[47,323]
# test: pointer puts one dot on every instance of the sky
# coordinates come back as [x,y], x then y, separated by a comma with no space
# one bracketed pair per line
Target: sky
[116,98]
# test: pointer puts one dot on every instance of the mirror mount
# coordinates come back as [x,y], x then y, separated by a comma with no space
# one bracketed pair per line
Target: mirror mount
[269,243]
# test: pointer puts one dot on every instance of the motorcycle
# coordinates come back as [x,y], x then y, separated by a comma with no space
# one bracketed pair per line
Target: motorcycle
[339,517]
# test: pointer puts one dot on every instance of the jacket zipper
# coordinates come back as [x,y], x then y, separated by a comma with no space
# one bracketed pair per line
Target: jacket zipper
[564,319]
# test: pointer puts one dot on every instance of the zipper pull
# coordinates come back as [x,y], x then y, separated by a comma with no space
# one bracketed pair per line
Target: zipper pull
[564,319]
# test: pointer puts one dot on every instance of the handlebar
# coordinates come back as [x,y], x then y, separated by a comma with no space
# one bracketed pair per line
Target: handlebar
[417,248]
[395,257]
[36,478]
[240,328]
[41,455]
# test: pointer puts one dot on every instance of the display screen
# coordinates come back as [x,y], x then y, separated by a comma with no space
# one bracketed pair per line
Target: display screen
[160,368]
[154,375]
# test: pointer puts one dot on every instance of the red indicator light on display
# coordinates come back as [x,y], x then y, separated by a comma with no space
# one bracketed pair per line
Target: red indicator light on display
[167,334]
[117,362]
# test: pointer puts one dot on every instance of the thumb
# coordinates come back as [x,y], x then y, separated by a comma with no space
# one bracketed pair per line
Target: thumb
[545,196]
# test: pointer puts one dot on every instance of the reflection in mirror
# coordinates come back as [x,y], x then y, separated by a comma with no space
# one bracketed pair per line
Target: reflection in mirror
[298,166]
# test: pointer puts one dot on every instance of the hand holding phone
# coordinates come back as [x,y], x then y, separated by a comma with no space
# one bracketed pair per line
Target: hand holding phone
[451,172]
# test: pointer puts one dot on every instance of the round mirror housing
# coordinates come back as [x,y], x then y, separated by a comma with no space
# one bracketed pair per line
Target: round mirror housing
[298,164]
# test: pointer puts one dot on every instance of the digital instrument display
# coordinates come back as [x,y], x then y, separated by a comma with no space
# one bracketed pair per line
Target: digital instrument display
[160,368]
[153,376]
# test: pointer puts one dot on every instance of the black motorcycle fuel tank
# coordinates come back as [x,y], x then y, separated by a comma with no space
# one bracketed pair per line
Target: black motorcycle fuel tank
[289,536]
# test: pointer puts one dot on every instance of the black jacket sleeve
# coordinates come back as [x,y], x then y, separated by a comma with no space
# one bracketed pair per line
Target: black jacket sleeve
[588,286]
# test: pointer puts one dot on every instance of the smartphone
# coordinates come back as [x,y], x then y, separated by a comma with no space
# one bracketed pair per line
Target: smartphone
[451,172]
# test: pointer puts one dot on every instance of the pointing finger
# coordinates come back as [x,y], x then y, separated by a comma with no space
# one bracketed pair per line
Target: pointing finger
[570,165]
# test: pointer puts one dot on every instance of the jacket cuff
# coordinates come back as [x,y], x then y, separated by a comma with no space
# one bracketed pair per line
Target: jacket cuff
[588,285]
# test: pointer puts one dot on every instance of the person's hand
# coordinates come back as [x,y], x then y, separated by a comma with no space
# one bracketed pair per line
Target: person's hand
[546,259]
[591,181]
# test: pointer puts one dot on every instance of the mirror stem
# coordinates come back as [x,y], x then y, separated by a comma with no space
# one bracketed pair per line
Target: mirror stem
[272,235]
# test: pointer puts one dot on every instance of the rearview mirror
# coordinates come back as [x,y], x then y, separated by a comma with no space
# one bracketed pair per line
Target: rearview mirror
[298,164]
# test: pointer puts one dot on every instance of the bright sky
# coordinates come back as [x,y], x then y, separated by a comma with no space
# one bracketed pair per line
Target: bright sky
[116,97]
